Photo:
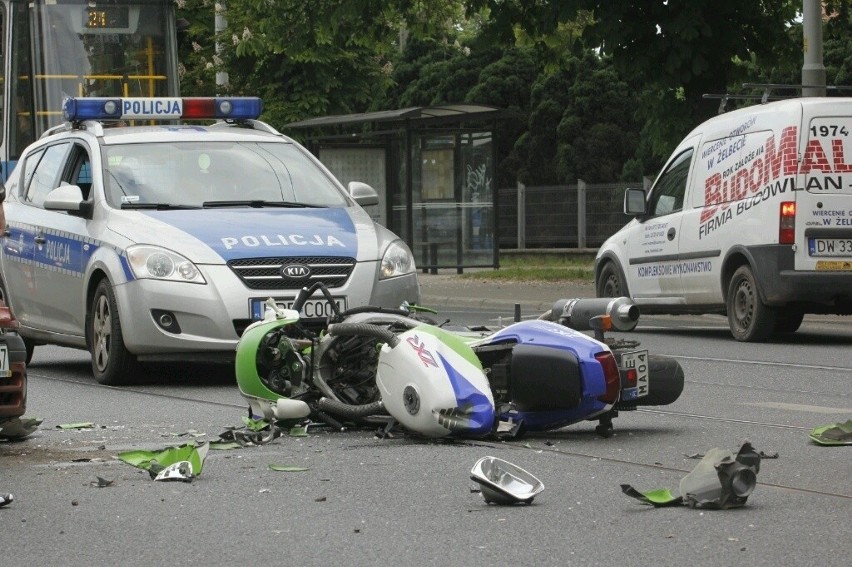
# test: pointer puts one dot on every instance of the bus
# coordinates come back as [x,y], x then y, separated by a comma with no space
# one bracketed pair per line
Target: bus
[58,48]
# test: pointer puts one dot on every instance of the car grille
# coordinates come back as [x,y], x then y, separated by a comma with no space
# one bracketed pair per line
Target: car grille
[265,273]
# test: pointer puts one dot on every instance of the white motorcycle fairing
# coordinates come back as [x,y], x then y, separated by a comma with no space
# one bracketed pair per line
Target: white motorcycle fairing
[431,382]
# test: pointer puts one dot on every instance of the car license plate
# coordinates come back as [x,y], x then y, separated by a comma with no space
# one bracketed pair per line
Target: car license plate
[830,246]
[313,308]
[636,366]
[5,371]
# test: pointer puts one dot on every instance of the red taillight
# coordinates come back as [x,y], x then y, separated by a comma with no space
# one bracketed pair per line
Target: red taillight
[611,376]
[787,223]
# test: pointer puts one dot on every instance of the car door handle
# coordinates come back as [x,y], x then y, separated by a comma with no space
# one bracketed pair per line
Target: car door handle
[671,233]
[40,239]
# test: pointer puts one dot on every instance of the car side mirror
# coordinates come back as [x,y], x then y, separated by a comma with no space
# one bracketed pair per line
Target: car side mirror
[64,198]
[363,194]
[634,202]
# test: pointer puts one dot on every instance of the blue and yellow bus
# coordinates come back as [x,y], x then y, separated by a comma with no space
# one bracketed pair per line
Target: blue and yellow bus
[58,48]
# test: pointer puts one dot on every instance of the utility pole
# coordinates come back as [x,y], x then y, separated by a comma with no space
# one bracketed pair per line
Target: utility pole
[813,70]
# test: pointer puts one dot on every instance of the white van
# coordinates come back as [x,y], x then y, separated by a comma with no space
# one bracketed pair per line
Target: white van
[750,217]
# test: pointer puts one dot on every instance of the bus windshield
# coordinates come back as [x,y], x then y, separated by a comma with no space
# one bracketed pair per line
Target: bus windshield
[85,48]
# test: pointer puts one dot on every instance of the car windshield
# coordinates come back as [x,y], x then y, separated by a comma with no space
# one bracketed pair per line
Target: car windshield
[192,174]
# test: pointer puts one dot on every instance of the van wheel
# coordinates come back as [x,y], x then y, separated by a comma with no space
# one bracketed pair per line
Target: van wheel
[112,363]
[610,283]
[788,321]
[749,318]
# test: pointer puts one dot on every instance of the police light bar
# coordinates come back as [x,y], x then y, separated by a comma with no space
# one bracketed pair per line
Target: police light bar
[165,108]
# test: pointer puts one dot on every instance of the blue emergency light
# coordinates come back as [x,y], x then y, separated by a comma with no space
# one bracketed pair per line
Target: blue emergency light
[161,108]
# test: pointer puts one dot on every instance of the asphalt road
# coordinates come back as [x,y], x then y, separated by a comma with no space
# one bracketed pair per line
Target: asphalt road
[366,500]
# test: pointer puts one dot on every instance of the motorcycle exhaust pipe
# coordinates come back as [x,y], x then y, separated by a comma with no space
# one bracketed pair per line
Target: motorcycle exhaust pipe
[577,313]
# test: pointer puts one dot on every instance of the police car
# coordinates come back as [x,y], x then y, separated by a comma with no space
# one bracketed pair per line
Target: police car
[751,217]
[160,242]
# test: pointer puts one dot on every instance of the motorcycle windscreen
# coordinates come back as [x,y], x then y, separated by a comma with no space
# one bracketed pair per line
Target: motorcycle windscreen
[544,378]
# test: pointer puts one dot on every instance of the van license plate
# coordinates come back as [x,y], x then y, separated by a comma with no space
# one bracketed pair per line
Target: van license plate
[313,308]
[830,246]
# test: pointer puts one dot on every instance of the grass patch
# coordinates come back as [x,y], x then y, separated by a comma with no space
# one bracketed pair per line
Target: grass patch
[538,268]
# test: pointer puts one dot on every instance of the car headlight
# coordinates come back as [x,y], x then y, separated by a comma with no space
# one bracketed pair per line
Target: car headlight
[153,262]
[397,261]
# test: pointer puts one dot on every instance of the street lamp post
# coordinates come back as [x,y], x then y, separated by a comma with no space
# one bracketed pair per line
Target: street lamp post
[813,70]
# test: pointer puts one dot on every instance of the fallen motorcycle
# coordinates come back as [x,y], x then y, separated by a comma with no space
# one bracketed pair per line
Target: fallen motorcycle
[380,366]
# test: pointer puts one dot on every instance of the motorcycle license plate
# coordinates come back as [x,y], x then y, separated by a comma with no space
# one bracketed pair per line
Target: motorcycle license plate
[5,372]
[313,308]
[635,376]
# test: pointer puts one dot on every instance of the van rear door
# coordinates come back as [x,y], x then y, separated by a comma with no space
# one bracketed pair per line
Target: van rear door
[823,231]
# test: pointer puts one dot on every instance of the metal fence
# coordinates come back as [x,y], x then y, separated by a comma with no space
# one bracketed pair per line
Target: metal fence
[582,215]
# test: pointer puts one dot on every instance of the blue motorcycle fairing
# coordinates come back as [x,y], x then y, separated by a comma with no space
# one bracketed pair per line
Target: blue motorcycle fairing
[584,347]
[554,335]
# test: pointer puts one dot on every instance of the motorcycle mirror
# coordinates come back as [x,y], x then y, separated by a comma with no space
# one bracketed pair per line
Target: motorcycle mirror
[503,482]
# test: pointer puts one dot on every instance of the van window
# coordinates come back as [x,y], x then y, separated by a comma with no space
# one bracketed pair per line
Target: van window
[667,195]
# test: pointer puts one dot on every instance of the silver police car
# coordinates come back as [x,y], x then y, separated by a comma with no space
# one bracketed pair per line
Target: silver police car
[162,242]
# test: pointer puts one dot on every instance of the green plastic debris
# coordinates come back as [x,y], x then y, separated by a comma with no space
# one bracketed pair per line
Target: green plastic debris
[255,424]
[300,431]
[833,435]
[284,468]
[657,498]
[80,425]
[156,461]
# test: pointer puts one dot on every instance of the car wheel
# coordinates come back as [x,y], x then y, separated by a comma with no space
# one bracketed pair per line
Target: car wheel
[610,283]
[749,318]
[788,321]
[30,348]
[112,363]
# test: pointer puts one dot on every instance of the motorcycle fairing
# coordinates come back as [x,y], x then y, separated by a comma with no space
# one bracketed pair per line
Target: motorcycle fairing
[574,382]
[431,383]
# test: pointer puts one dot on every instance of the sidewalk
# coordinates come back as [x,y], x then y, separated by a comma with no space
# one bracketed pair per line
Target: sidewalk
[448,289]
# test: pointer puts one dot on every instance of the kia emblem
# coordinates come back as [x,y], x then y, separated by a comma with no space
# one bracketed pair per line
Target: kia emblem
[295,271]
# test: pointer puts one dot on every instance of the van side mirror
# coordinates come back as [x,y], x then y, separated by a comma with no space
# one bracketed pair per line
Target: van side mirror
[363,194]
[634,202]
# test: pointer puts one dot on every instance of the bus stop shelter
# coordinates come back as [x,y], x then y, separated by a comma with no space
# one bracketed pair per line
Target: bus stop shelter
[434,170]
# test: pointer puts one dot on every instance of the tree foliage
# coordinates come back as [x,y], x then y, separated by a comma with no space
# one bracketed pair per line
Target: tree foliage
[672,51]
[595,89]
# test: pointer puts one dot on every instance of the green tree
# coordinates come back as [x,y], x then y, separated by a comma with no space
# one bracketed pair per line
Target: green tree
[196,47]
[306,59]
[582,125]
[674,51]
